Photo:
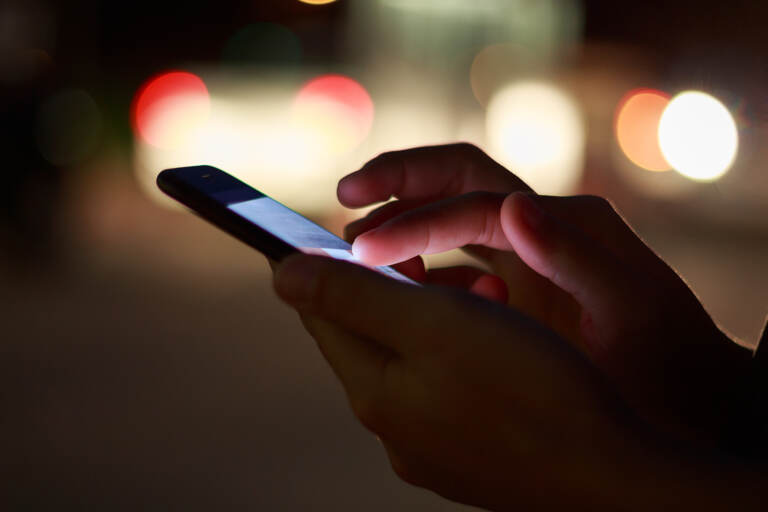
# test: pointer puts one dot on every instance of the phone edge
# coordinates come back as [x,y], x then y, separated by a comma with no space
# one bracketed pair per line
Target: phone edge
[247,232]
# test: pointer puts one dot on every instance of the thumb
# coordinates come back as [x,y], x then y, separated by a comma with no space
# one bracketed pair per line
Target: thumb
[574,262]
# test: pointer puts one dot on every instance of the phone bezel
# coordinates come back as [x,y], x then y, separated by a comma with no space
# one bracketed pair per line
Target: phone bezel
[195,187]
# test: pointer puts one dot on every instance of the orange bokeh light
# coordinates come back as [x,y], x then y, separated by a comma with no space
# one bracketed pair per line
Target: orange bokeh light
[169,107]
[637,128]
[337,109]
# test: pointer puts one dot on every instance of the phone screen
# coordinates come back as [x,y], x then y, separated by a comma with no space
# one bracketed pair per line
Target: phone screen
[301,232]
[254,217]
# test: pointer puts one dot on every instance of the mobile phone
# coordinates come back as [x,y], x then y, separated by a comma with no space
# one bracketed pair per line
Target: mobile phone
[253,217]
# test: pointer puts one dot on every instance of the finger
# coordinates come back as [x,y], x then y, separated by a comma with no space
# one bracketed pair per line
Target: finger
[379,216]
[428,172]
[573,261]
[370,305]
[438,227]
[473,279]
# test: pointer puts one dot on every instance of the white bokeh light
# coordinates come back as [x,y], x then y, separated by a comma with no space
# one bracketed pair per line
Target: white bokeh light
[698,136]
[537,131]
[259,143]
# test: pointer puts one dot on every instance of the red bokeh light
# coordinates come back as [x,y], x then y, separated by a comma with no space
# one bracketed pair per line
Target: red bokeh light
[345,99]
[167,106]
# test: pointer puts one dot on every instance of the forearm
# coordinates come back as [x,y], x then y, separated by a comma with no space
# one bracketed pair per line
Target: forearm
[648,472]
[731,473]
[704,484]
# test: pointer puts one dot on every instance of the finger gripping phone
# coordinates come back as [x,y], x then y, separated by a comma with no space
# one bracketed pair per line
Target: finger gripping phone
[253,217]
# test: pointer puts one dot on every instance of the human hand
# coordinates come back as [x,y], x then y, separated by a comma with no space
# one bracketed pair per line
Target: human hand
[445,183]
[571,263]
[484,406]
[463,392]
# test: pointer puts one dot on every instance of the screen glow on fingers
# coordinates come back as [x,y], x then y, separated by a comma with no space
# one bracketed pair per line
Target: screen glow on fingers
[698,136]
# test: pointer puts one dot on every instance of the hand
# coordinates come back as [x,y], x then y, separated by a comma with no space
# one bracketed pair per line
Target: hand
[445,182]
[459,391]
[571,263]
[483,405]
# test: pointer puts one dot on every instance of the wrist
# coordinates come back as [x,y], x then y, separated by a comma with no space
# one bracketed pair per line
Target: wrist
[655,473]
[704,482]
[746,433]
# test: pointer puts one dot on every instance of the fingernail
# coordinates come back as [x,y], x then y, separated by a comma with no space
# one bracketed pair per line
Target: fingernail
[296,278]
[358,250]
[533,216]
[344,180]
[343,184]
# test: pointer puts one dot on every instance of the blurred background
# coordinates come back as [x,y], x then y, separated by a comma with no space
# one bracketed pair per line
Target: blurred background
[144,360]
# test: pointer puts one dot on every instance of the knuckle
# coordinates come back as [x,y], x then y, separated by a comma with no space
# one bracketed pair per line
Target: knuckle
[469,149]
[600,203]
[384,155]
[404,470]
[379,159]
[369,413]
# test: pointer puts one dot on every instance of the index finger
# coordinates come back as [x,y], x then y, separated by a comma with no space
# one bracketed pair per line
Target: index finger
[431,172]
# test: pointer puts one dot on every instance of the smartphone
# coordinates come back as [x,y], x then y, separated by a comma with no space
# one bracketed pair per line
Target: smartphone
[255,218]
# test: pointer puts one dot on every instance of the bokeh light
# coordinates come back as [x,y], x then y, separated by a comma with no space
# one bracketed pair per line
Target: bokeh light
[169,108]
[337,110]
[263,44]
[698,136]
[445,33]
[537,131]
[637,128]
[69,126]
[317,2]
[252,131]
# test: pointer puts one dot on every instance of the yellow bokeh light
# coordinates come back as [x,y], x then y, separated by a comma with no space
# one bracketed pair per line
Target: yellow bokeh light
[259,143]
[698,136]
[537,131]
[637,128]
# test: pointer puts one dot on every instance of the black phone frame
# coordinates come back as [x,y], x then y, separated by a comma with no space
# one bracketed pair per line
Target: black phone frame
[196,187]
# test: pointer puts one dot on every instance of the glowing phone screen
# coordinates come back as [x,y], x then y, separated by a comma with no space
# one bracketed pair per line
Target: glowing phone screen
[301,232]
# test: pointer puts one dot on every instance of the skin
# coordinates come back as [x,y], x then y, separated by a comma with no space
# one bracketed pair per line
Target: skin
[582,373]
